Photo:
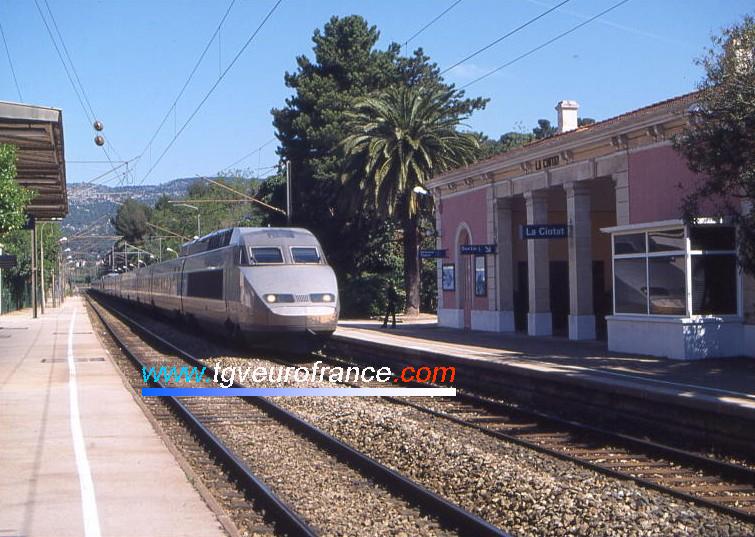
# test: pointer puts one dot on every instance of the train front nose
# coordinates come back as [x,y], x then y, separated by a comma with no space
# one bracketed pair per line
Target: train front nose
[294,298]
[317,318]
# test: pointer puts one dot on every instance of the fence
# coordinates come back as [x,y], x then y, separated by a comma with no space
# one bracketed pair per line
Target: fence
[16,294]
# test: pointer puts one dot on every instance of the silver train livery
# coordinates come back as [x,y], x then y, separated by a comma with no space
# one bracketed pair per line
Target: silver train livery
[264,285]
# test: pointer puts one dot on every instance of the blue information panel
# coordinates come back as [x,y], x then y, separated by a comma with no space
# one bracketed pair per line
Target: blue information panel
[7,261]
[432,254]
[545,231]
[477,249]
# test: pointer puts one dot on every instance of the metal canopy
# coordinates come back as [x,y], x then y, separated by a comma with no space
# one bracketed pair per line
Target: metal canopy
[37,133]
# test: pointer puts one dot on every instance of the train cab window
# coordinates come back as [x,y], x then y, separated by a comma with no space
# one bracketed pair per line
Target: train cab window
[267,255]
[305,255]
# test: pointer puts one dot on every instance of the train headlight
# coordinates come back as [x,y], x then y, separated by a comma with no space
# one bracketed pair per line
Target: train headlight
[278,298]
[322,297]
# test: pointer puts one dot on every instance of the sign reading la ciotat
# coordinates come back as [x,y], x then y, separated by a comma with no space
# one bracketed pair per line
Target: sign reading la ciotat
[544,231]
[530,231]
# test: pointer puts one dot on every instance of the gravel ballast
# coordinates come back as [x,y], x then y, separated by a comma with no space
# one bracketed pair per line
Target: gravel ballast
[519,490]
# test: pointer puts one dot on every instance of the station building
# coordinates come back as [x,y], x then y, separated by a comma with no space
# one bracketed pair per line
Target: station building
[580,235]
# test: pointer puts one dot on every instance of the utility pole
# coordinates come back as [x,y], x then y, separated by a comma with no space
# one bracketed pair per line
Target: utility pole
[289,214]
[34,269]
[42,264]
[63,280]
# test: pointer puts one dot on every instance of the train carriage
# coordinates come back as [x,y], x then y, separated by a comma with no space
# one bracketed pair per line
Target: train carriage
[262,284]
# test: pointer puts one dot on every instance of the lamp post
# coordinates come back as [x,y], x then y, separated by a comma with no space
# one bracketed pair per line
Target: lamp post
[171,250]
[64,275]
[199,229]
[289,195]
[42,266]
[58,291]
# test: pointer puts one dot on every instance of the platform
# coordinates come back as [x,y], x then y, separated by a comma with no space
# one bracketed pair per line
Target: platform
[78,456]
[699,392]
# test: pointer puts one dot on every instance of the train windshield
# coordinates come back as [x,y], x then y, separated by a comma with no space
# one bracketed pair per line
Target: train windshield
[267,255]
[305,255]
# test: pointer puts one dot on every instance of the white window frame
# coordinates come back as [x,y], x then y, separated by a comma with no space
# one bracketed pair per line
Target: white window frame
[687,253]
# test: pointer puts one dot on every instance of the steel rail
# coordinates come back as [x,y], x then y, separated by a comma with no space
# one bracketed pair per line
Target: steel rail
[284,516]
[733,472]
[446,511]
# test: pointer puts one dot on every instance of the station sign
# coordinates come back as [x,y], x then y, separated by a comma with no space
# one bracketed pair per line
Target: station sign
[544,231]
[7,261]
[432,254]
[477,249]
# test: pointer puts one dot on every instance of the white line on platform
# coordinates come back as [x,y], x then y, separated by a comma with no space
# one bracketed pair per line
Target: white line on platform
[88,500]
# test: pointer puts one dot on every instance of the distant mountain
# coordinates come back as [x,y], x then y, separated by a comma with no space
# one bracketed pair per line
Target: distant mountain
[91,204]
[86,192]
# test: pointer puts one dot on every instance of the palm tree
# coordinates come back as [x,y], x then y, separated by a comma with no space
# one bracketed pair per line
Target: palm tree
[397,142]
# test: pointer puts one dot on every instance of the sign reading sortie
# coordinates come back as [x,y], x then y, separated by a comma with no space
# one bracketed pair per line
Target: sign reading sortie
[545,231]
[477,249]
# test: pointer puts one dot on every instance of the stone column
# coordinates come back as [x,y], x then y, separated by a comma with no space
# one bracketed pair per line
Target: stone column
[581,313]
[505,276]
[539,319]
[439,238]
[621,185]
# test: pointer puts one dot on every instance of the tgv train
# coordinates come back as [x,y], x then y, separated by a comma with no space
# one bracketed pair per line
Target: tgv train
[264,285]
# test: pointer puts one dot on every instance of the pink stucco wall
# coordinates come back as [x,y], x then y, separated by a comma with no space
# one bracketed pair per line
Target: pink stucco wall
[469,208]
[658,180]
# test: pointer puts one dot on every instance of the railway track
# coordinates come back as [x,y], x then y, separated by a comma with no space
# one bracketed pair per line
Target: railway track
[209,419]
[720,485]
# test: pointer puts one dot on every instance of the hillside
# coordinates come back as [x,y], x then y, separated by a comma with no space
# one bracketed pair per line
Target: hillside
[92,203]
[91,206]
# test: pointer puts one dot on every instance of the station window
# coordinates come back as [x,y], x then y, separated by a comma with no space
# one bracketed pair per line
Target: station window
[714,270]
[676,271]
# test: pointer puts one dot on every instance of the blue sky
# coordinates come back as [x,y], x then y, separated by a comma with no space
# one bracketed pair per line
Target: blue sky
[133,56]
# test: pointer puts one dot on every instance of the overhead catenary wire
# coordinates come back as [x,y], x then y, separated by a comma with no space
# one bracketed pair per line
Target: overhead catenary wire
[62,61]
[172,107]
[103,175]
[545,44]
[436,19]
[79,90]
[212,89]
[506,35]
[81,85]
[10,62]
[252,152]
[246,196]
[70,61]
